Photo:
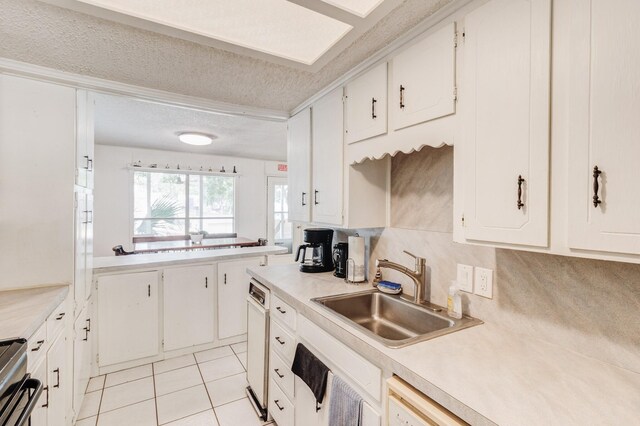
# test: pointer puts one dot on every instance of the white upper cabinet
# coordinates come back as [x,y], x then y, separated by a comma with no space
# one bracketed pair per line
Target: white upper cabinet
[505,109]
[327,159]
[299,163]
[366,105]
[189,308]
[604,203]
[423,80]
[85,138]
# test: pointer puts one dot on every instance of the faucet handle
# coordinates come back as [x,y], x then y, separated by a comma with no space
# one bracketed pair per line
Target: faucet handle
[420,261]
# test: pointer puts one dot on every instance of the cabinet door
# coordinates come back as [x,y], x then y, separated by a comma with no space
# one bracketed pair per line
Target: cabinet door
[506,121]
[80,247]
[423,80]
[327,154]
[605,56]
[128,317]
[39,413]
[56,380]
[85,106]
[188,307]
[233,288]
[88,270]
[366,105]
[299,166]
[81,358]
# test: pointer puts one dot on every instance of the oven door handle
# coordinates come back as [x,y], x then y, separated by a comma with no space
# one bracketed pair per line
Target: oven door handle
[26,386]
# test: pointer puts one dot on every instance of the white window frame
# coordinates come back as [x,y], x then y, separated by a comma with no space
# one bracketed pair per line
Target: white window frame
[186,218]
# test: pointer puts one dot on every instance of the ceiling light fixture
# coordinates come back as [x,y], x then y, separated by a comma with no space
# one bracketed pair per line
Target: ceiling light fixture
[192,138]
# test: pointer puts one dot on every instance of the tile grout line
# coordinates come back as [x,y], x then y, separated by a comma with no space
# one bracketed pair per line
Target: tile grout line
[207,391]
[155,396]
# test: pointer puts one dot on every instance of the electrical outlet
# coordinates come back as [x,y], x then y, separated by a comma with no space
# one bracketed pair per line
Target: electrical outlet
[465,278]
[484,282]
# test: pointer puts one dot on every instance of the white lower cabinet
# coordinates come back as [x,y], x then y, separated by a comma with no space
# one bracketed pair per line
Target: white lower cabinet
[58,389]
[189,310]
[128,317]
[39,413]
[233,287]
[82,343]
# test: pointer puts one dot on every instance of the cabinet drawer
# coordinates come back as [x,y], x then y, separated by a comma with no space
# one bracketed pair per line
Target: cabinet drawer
[281,374]
[282,342]
[56,321]
[37,346]
[280,408]
[283,312]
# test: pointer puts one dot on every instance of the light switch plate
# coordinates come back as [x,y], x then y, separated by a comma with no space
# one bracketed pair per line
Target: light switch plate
[484,282]
[465,278]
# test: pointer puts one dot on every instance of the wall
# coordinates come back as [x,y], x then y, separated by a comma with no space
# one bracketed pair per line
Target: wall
[587,306]
[113,198]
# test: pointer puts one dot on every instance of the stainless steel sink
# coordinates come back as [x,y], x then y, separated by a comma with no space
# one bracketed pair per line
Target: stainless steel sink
[392,320]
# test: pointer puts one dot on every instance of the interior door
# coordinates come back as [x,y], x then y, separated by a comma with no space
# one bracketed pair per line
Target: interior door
[278,224]
[605,107]
[189,309]
[128,317]
[423,80]
[506,120]
[233,288]
[327,154]
[299,166]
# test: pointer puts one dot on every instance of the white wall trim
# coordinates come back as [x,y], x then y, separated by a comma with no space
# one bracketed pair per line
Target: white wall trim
[389,51]
[23,69]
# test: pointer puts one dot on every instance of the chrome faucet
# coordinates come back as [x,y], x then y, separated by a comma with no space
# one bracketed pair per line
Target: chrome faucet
[422,288]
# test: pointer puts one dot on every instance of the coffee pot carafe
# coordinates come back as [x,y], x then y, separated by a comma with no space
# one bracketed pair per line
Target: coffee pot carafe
[318,241]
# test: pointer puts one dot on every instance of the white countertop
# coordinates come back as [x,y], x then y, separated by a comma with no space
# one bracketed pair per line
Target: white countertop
[108,264]
[23,311]
[484,373]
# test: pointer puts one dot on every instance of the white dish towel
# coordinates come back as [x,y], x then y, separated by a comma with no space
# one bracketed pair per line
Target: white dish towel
[345,404]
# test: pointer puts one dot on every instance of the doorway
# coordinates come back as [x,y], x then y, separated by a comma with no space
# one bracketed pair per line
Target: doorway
[278,226]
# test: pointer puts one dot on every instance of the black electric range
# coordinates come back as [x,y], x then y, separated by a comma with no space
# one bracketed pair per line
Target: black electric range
[19,393]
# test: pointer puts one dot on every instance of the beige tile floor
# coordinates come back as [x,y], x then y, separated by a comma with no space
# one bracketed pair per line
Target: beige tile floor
[201,389]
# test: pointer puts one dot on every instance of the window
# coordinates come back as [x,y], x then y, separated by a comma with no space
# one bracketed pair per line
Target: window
[179,203]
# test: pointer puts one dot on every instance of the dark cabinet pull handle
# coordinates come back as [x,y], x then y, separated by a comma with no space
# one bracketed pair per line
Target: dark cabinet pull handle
[88,324]
[40,343]
[520,182]
[149,290]
[279,309]
[57,371]
[315,197]
[596,187]
[401,96]
[86,334]
[373,108]
[46,403]
[303,195]
[277,370]
[59,317]
[206,282]
[225,278]
[279,341]
[275,401]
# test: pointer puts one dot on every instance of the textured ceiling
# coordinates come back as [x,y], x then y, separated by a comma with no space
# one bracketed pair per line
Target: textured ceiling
[46,35]
[123,121]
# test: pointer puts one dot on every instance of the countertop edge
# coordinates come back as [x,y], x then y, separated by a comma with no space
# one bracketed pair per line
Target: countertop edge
[165,260]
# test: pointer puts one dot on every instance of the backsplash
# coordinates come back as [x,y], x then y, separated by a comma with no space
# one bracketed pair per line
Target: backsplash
[588,306]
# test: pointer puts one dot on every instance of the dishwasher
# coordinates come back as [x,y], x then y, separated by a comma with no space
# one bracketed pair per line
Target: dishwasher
[258,347]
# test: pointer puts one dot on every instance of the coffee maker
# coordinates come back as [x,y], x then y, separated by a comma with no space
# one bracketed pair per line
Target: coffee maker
[319,241]
[340,256]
